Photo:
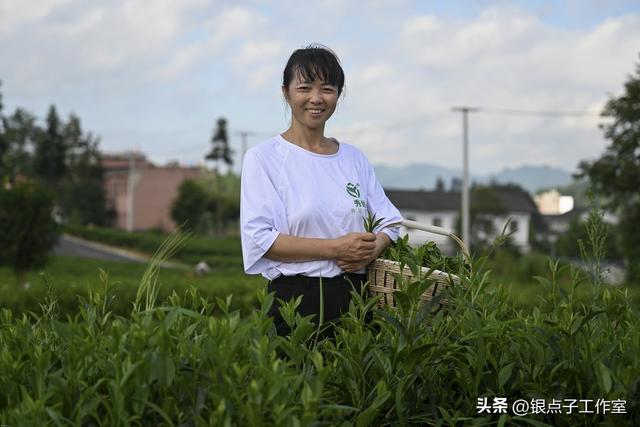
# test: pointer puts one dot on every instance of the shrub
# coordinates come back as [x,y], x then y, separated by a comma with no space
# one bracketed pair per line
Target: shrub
[27,229]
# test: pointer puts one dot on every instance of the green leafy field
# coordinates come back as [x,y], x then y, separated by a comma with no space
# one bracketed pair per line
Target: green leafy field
[68,277]
[189,361]
[165,348]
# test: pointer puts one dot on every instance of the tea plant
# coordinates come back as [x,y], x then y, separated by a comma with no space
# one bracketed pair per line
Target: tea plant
[428,255]
[193,362]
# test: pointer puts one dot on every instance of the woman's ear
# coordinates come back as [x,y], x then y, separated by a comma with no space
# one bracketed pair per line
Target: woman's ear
[285,93]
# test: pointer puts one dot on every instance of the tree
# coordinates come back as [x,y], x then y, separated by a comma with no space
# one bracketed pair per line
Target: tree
[616,174]
[4,145]
[191,206]
[50,154]
[485,205]
[439,184]
[220,141]
[19,133]
[27,229]
[84,199]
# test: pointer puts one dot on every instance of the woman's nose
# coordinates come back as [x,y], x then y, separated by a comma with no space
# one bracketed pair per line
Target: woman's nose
[316,96]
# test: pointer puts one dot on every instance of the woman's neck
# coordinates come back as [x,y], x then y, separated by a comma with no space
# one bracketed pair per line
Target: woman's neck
[311,139]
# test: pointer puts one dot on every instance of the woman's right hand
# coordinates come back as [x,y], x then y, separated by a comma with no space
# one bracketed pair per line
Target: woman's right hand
[355,247]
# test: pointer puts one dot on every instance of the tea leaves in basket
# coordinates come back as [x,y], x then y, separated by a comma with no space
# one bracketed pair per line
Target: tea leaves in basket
[427,255]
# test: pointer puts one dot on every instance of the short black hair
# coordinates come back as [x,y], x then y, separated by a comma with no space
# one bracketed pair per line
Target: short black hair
[314,61]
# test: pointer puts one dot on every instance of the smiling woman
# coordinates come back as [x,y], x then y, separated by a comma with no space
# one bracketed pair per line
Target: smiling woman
[304,196]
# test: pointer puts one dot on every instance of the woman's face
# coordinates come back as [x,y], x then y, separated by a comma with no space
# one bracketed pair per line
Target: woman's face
[312,103]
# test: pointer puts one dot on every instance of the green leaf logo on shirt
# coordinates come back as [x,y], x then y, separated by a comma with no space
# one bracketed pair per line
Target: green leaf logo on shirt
[353,190]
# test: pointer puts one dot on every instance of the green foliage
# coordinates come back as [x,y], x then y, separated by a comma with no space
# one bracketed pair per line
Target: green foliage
[61,157]
[616,174]
[83,197]
[71,279]
[18,134]
[220,141]
[49,161]
[370,222]
[187,360]
[428,255]
[209,204]
[190,206]
[27,229]
[568,243]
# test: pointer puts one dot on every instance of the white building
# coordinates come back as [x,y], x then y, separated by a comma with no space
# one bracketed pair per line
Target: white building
[553,203]
[442,209]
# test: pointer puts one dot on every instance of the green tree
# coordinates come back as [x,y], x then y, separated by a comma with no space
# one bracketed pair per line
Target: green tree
[27,229]
[50,155]
[4,145]
[616,174]
[84,198]
[191,206]
[220,141]
[18,136]
[484,207]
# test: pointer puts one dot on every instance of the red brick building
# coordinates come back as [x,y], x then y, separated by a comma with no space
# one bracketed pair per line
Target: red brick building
[141,193]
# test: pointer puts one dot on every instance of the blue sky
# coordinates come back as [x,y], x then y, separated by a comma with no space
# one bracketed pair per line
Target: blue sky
[155,75]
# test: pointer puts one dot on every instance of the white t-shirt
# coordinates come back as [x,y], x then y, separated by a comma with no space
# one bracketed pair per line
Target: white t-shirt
[287,189]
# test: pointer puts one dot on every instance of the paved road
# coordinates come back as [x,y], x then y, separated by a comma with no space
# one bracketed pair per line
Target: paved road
[76,247]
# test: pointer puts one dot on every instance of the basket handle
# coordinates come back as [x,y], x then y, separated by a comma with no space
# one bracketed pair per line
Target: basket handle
[437,230]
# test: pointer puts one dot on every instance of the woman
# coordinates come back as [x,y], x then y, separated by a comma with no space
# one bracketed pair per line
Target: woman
[304,197]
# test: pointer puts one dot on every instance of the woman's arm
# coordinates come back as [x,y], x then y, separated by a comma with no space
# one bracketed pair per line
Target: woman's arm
[352,247]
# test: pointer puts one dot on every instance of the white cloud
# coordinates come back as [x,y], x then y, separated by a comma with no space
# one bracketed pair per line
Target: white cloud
[501,59]
[404,70]
[14,13]
[254,52]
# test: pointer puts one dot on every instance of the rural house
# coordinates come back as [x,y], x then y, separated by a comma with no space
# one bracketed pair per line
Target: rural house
[442,209]
[141,193]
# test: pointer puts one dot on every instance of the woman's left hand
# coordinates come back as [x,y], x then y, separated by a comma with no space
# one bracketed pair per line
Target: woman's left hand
[382,241]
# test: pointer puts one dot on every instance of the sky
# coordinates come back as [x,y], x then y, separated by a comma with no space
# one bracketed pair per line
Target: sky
[155,75]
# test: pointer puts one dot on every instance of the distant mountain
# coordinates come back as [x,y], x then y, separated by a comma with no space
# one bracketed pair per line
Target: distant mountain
[424,175]
[415,176]
[534,178]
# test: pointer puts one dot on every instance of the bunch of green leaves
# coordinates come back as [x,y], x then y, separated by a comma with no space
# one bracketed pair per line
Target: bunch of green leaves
[427,255]
[370,222]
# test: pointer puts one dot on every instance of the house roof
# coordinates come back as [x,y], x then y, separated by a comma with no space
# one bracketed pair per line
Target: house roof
[567,216]
[512,199]
[421,200]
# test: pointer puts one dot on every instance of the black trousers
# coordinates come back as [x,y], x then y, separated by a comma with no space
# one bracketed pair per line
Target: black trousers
[336,293]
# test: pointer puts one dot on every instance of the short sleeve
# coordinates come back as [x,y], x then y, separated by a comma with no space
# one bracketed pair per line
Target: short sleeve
[260,206]
[380,205]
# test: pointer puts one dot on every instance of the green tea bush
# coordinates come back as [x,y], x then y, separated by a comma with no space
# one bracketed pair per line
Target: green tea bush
[190,361]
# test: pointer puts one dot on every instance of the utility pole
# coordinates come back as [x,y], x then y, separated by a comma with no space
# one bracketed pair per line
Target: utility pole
[243,137]
[466,238]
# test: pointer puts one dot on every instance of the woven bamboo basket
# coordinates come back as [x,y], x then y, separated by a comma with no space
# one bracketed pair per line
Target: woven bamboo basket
[382,273]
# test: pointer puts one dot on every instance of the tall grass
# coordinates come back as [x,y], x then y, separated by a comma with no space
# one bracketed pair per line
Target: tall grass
[190,361]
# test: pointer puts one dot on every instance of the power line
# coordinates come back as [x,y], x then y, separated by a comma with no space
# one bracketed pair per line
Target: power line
[549,113]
